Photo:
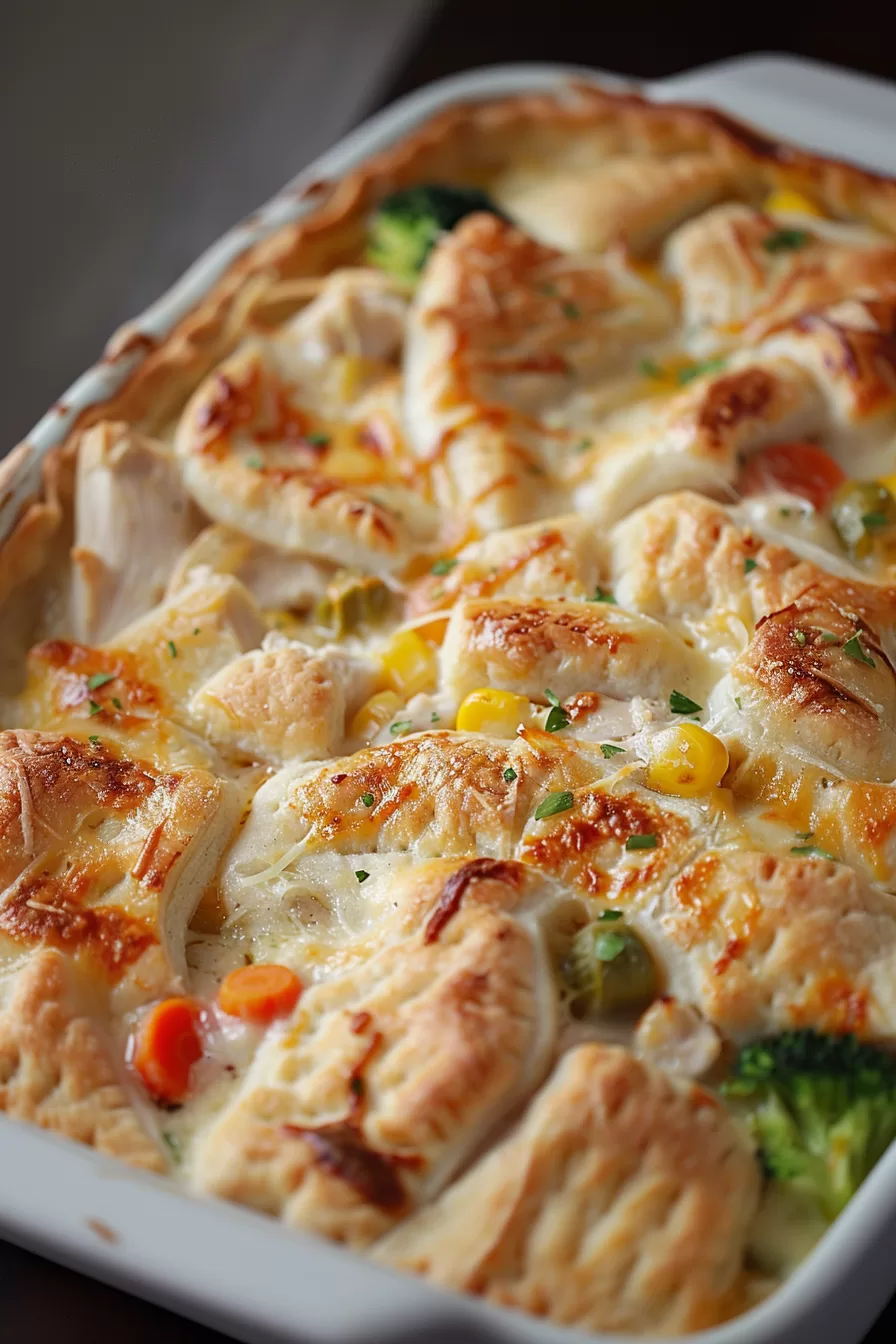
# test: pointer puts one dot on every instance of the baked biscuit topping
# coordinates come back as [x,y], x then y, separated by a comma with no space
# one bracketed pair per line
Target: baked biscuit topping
[466,716]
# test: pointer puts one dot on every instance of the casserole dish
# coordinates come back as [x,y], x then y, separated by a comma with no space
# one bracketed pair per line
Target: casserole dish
[143,363]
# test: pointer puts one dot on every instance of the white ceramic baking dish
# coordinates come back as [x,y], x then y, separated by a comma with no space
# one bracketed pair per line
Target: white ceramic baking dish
[243,1273]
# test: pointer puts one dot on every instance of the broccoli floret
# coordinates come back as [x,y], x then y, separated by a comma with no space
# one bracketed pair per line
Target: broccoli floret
[821,1108]
[407,225]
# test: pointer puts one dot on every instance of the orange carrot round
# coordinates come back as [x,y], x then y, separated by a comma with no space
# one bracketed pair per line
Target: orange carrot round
[168,1045]
[803,469]
[259,993]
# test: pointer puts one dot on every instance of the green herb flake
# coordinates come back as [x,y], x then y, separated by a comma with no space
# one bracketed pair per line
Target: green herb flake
[93,740]
[195,629]
[254,462]
[603,595]
[318,440]
[785,513]
[738,702]
[172,1143]
[551,698]
[785,240]
[94,708]
[442,567]
[556,720]
[434,717]
[682,704]
[800,637]
[749,565]
[583,445]
[172,648]
[855,649]
[827,636]
[572,311]
[645,841]
[402,726]
[608,946]
[609,916]
[552,804]
[99,679]
[367,799]
[549,290]
[812,852]
[361,875]
[649,369]
[872,520]
[509,774]
[698,370]
[608,750]
[116,702]
[804,835]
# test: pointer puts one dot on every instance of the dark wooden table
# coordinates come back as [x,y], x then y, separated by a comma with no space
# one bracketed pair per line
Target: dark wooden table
[214,104]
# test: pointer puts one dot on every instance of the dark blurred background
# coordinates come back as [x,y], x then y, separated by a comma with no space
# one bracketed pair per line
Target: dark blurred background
[136,131]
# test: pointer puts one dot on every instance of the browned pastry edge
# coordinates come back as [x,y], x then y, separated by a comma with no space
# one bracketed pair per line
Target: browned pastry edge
[472,136]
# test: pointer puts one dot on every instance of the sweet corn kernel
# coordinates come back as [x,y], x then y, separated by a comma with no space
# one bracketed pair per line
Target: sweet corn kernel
[786,201]
[488,710]
[374,714]
[889,483]
[409,664]
[685,760]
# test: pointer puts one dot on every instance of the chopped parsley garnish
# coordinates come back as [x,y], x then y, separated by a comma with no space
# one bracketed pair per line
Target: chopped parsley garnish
[749,565]
[558,717]
[855,649]
[94,708]
[827,636]
[99,679]
[554,803]
[549,290]
[172,1143]
[116,702]
[603,595]
[442,567]
[607,946]
[812,852]
[402,726]
[697,370]
[195,629]
[361,875]
[609,916]
[649,369]
[607,750]
[93,740]
[509,774]
[738,702]
[646,841]
[800,638]
[317,440]
[785,240]
[583,445]
[367,799]
[172,648]
[804,835]
[785,513]
[682,704]
[572,311]
[872,520]
[434,717]
[254,462]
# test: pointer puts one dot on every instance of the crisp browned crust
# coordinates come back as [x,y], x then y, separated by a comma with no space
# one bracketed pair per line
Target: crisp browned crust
[55,1070]
[463,141]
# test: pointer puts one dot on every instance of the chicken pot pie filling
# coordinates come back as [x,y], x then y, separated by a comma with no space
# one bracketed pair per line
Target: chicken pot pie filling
[450,721]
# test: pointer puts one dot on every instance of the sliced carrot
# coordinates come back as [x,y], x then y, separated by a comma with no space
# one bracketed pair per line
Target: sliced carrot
[259,993]
[802,469]
[168,1045]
